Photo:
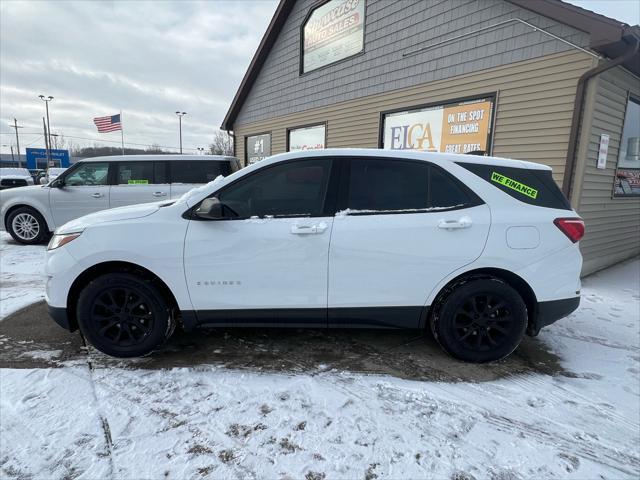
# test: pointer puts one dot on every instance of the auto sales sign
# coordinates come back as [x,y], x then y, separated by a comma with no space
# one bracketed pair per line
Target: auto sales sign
[333,31]
[452,128]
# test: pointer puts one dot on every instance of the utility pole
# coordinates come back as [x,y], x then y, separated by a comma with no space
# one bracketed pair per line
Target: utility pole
[12,158]
[180,115]
[47,144]
[15,125]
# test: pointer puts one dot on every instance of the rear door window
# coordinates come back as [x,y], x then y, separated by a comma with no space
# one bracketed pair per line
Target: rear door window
[198,171]
[379,185]
[134,173]
[388,185]
[446,192]
[535,187]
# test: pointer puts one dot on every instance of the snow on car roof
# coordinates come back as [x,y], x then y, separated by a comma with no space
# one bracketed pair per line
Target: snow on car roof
[129,158]
[410,154]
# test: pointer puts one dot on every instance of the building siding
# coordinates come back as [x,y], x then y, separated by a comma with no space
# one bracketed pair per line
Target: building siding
[393,28]
[613,224]
[533,112]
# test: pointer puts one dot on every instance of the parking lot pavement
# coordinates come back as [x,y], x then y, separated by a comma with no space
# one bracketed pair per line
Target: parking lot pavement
[269,403]
[30,339]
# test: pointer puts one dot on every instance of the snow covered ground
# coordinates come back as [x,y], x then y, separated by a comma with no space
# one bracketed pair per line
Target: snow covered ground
[94,419]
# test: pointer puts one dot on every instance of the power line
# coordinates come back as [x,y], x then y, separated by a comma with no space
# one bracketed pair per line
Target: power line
[106,141]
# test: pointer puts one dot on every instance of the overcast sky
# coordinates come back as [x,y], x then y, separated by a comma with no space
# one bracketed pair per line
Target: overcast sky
[147,59]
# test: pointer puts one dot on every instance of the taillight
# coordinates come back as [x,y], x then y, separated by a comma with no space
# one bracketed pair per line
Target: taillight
[573,228]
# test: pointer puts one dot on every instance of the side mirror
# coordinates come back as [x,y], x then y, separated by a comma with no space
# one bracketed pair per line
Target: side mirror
[210,209]
[43,180]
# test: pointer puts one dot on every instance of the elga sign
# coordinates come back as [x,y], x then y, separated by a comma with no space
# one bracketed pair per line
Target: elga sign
[452,128]
[37,158]
[334,31]
[258,148]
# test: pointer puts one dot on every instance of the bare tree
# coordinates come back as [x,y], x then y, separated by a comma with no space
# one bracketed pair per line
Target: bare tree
[57,141]
[222,144]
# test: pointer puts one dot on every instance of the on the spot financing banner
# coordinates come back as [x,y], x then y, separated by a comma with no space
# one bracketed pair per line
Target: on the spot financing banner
[457,128]
[334,31]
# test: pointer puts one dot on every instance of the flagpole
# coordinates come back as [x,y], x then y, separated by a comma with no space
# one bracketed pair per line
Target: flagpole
[122,132]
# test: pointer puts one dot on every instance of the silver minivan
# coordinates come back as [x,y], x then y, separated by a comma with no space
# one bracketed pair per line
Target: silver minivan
[93,184]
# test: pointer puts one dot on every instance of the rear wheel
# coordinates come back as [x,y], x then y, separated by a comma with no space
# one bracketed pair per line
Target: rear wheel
[27,226]
[481,320]
[123,315]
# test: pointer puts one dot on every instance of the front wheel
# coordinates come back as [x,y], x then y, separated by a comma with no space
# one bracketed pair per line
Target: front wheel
[481,320]
[123,315]
[27,226]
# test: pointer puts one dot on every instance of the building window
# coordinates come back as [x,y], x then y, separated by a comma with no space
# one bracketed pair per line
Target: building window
[332,32]
[306,138]
[257,147]
[455,127]
[627,180]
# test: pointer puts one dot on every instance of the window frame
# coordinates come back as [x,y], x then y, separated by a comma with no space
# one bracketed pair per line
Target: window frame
[345,176]
[614,195]
[324,124]
[313,8]
[330,194]
[492,96]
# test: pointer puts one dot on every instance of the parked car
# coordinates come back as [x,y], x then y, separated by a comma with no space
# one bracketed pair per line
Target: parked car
[478,249]
[30,214]
[14,177]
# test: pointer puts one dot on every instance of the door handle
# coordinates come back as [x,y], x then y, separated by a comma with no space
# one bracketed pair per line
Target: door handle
[304,229]
[308,229]
[464,222]
[159,194]
[97,195]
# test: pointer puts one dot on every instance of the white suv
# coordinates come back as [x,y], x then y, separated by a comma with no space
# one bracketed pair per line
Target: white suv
[480,250]
[94,184]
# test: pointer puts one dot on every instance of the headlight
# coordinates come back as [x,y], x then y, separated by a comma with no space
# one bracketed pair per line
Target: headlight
[60,240]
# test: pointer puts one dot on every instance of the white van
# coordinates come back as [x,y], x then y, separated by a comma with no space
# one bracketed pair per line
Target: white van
[99,183]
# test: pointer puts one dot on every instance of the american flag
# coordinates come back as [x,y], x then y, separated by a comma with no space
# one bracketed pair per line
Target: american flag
[108,124]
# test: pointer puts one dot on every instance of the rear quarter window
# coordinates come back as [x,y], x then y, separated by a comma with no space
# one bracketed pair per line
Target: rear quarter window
[534,187]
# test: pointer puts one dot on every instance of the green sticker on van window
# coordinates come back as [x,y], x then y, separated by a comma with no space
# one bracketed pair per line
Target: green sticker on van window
[513,185]
[138,182]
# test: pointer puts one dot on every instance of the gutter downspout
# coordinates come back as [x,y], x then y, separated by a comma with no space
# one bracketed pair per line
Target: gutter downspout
[570,163]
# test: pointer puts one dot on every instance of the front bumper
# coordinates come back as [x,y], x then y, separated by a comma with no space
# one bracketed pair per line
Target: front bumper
[551,311]
[59,315]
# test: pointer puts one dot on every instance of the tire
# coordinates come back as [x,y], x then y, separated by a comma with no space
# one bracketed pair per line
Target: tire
[480,320]
[27,226]
[124,315]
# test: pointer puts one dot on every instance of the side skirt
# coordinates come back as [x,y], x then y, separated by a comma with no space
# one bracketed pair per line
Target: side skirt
[357,317]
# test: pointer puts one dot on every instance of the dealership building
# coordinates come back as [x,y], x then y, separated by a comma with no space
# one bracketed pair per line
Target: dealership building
[537,80]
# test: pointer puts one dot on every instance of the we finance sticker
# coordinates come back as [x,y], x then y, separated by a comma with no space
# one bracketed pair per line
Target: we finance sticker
[138,182]
[514,185]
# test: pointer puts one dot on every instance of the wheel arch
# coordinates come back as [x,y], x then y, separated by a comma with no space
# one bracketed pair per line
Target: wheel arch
[513,280]
[103,268]
[12,208]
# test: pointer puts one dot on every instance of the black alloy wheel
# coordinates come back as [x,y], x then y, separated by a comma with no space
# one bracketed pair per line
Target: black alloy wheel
[480,320]
[124,315]
[483,322]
